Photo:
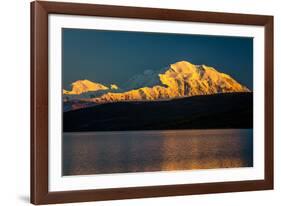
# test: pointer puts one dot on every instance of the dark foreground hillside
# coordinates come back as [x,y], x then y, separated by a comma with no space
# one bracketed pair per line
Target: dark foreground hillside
[228,110]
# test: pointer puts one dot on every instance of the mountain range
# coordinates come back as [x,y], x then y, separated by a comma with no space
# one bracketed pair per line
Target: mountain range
[181,79]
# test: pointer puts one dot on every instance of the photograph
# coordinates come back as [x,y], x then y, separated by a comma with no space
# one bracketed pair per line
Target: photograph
[150,102]
[131,102]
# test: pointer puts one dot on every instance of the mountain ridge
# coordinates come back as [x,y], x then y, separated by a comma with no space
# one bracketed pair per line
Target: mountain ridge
[181,79]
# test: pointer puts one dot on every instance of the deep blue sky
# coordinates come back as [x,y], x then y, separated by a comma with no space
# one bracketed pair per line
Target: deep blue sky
[115,56]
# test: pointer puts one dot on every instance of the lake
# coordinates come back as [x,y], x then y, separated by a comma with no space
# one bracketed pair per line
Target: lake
[163,150]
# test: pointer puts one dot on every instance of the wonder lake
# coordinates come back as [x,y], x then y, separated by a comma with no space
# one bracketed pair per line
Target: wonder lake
[147,151]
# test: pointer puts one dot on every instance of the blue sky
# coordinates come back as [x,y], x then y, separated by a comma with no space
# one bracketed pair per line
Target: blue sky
[115,56]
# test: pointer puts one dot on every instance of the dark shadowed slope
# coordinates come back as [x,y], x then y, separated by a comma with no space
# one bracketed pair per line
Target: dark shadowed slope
[228,110]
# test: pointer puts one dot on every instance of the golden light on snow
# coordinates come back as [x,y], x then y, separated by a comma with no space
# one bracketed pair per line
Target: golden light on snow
[82,86]
[181,79]
[113,86]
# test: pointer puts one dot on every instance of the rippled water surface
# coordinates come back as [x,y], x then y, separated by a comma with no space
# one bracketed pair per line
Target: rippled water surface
[146,151]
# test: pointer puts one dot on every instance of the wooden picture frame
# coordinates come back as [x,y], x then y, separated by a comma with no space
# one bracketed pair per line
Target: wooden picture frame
[40,193]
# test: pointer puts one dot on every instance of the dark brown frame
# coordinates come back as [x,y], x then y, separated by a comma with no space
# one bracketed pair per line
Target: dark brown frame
[39,102]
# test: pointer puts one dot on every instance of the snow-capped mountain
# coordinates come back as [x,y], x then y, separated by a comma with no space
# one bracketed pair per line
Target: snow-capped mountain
[83,86]
[181,79]
[148,78]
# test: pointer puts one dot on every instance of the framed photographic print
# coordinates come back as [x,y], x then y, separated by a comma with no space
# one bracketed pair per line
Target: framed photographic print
[133,102]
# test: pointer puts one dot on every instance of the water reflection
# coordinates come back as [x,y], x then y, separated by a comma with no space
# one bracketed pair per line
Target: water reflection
[140,151]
